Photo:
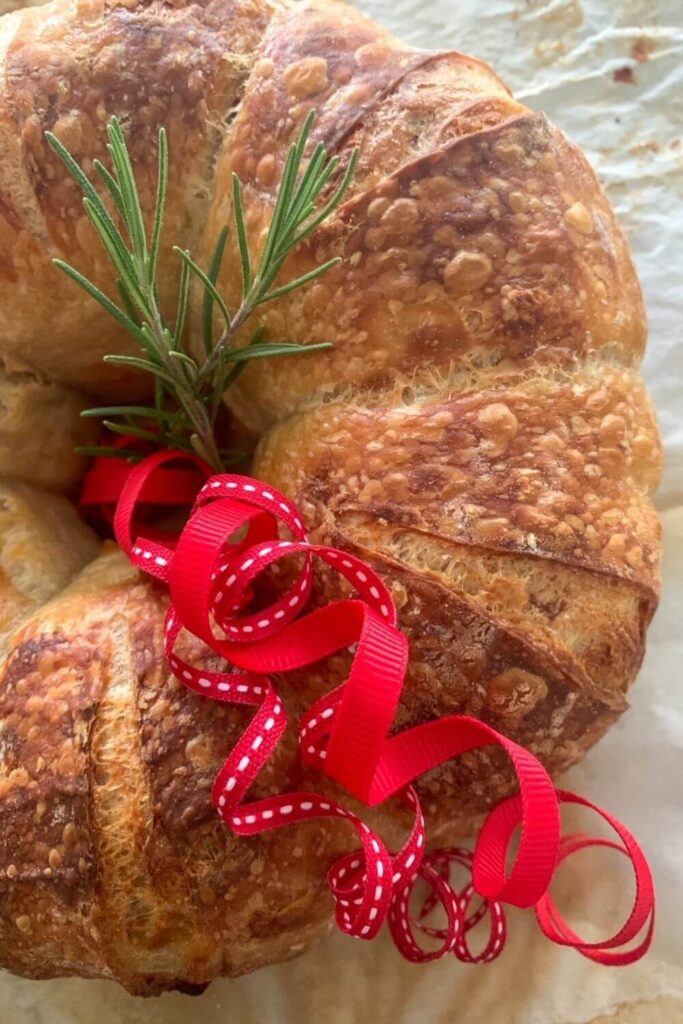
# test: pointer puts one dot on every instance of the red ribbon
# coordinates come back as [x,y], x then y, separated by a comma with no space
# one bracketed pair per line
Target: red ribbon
[345,734]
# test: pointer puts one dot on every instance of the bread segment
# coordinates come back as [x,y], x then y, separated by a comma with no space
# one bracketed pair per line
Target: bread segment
[113,861]
[41,429]
[68,67]
[474,232]
[43,544]
[512,512]
[50,690]
[558,465]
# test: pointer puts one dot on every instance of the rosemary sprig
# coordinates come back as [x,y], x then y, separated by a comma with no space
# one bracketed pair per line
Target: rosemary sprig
[187,393]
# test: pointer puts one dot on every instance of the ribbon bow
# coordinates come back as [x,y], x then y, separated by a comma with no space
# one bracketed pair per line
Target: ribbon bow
[345,734]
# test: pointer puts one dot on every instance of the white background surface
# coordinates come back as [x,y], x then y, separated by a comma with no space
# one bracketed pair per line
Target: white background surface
[559,56]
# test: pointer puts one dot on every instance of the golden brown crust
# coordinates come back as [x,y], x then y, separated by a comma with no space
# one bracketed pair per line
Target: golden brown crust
[556,465]
[476,232]
[68,68]
[514,506]
[147,886]
[534,648]
[48,853]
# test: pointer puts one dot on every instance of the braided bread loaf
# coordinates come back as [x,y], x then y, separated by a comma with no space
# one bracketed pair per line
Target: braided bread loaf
[479,433]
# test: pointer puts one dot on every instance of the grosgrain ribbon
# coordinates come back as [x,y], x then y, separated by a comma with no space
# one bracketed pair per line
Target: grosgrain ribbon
[345,734]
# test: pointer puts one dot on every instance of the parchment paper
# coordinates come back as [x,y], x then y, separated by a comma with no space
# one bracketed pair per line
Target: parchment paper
[610,73]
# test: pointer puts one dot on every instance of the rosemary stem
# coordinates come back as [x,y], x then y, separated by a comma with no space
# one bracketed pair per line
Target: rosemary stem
[245,309]
[195,406]
[204,429]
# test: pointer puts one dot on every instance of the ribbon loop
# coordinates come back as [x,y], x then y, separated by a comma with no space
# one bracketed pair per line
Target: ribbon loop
[144,484]
[642,915]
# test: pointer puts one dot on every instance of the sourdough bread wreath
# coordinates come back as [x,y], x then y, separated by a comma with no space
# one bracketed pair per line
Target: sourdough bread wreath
[478,433]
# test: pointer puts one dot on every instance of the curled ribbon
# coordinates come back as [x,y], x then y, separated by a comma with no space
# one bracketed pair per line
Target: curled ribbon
[345,734]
